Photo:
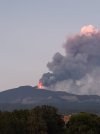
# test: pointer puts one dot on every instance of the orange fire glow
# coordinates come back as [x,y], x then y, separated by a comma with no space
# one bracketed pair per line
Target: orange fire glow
[40,85]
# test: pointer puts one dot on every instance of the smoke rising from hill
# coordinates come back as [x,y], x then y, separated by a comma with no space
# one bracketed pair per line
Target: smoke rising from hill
[79,70]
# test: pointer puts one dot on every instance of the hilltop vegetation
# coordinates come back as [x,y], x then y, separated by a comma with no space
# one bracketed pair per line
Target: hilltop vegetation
[46,120]
[40,120]
[83,123]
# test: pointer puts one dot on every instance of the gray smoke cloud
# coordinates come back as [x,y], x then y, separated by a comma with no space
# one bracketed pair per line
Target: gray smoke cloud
[79,70]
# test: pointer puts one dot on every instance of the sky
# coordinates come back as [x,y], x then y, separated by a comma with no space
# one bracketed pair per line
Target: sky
[31,31]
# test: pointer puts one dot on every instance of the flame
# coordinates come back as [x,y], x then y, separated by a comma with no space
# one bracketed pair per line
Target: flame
[40,85]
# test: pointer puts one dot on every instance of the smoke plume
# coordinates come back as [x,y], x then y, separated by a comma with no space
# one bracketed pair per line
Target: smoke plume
[79,70]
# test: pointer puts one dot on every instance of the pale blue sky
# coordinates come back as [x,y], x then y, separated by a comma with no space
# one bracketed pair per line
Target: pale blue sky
[31,31]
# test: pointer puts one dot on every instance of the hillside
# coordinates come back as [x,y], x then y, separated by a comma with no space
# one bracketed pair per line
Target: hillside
[28,97]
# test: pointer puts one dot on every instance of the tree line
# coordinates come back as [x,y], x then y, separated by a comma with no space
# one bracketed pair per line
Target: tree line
[46,120]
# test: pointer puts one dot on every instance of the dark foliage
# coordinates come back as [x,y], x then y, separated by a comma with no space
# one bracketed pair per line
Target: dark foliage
[83,123]
[46,120]
[40,120]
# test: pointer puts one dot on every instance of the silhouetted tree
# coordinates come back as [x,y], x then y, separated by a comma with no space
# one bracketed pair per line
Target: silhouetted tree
[83,123]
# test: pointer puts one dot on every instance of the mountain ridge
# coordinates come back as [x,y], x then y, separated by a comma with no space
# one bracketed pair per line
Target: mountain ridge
[28,97]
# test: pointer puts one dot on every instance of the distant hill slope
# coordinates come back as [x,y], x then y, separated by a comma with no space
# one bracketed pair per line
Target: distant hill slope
[28,97]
